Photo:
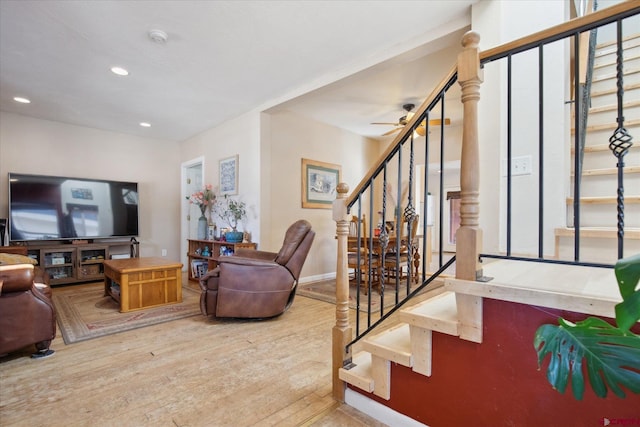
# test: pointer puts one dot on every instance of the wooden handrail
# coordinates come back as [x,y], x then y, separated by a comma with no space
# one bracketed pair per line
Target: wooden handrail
[609,14]
[402,135]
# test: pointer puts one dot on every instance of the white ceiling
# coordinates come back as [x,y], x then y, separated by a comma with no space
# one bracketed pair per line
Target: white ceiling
[346,63]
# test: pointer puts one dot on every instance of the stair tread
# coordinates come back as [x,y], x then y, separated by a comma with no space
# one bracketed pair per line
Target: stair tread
[437,314]
[609,76]
[631,39]
[609,171]
[612,62]
[360,374]
[611,90]
[612,232]
[609,126]
[393,344]
[598,200]
[613,107]
[601,147]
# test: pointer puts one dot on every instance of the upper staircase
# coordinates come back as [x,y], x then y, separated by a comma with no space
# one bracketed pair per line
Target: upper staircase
[598,218]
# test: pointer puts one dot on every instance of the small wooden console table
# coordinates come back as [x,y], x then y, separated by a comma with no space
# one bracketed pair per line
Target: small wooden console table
[139,283]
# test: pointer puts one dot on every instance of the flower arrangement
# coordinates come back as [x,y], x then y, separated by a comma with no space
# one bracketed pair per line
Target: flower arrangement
[204,199]
[231,211]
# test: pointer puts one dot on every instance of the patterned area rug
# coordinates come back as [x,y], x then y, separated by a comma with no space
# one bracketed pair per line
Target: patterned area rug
[326,291]
[83,312]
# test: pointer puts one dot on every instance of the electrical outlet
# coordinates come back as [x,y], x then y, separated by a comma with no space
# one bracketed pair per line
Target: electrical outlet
[164,252]
[519,166]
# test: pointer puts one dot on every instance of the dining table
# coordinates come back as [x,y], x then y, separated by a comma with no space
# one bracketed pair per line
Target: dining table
[375,243]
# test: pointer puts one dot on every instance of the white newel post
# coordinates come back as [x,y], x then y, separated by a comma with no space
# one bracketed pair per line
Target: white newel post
[341,330]
[469,235]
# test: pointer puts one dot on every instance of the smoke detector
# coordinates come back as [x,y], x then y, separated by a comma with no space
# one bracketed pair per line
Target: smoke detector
[158,36]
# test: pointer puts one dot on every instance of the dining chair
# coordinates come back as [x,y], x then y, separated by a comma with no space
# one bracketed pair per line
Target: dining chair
[364,262]
[400,259]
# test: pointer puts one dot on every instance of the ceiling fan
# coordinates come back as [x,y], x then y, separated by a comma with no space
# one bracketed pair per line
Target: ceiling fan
[402,121]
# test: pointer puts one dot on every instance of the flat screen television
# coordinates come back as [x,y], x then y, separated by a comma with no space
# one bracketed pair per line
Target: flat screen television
[63,208]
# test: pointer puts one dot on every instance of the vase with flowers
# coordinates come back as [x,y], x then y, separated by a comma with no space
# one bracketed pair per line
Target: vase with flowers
[205,199]
[232,211]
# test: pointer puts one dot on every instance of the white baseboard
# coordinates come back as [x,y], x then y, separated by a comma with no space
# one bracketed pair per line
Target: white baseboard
[376,410]
[317,278]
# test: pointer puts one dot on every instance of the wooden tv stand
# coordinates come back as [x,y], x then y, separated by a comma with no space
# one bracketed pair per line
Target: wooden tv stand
[138,283]
[76,263]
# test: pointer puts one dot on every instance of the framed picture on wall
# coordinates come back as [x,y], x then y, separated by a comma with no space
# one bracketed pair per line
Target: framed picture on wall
[228,169]
[319,182]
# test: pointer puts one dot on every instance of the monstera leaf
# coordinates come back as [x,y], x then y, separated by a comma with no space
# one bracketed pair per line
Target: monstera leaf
[610,354]
[628,275]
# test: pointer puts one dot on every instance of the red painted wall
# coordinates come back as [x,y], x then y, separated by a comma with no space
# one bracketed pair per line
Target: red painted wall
[497,383]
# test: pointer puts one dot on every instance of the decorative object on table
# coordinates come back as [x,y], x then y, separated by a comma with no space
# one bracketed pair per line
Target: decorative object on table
[204,199]
[211,231]
[229,176]
[232,211]
[319,182]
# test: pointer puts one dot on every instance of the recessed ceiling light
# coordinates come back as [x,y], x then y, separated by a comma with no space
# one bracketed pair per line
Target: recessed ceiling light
[22,100]
[119,71]
[145,124]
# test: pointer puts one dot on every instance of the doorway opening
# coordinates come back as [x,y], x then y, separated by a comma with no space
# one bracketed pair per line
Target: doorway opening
[192,180]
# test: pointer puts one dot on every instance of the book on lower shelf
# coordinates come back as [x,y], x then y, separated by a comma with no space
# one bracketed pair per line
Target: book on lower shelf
[115,288]
[199,267]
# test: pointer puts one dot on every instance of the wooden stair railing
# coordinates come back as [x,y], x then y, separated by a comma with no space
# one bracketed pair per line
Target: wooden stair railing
[469,237]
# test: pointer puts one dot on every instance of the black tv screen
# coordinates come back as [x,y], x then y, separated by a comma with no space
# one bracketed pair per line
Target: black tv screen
[61,208]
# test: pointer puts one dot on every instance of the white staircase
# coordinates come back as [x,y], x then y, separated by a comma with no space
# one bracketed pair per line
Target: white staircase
[409,343]
[598,218]
[456,309]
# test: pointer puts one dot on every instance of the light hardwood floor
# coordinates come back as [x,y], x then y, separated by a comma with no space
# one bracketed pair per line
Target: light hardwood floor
[188,372]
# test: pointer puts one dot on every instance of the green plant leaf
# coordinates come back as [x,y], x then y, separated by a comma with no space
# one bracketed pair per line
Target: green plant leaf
[611,356]
[628,275]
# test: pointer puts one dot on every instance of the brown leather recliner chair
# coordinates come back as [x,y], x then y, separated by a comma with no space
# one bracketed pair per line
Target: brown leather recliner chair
[257,284]
[27,315]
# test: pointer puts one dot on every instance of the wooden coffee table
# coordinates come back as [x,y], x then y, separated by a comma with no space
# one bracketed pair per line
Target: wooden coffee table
[139,283]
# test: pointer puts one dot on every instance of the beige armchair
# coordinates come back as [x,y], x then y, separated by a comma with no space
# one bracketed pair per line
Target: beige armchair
[257,284]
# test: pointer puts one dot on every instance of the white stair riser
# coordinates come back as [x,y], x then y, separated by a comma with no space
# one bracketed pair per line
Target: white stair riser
[611,116]
[606,185]
[608,81]
[611,98]
[607,63]
[606,159]
[597,250]
[605,216]
[630,47]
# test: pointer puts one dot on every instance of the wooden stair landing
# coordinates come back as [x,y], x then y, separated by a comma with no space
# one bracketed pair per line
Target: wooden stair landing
[589,290]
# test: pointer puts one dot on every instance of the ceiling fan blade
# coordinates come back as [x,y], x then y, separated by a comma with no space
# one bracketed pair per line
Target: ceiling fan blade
[438,122]
[384,123]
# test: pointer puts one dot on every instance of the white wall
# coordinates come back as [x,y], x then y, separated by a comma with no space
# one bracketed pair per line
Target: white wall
[239,136]
[44,147]
[270,149]
[291,138]
[499,22]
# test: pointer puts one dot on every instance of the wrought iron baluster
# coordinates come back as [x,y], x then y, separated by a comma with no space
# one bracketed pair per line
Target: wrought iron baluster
[621,141]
